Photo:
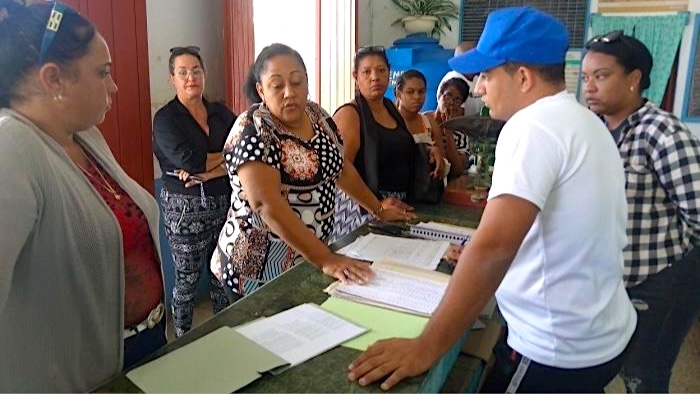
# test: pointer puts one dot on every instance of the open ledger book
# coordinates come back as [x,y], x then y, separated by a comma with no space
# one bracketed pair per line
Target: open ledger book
[396,286]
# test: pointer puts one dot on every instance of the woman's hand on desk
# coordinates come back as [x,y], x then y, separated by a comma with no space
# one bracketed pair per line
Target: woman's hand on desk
[346,269]
[395,210]
[397,358]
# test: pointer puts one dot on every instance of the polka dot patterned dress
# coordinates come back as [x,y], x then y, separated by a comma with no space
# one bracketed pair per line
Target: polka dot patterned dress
[248,254]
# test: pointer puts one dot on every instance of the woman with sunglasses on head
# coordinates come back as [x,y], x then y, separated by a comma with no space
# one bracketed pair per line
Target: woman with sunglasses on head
[80,278]
[410,97]
[285,160]
[376,140]
[188,136]
[662,166]
[451,95]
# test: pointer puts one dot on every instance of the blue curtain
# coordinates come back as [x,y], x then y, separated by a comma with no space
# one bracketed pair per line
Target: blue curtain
[661,34]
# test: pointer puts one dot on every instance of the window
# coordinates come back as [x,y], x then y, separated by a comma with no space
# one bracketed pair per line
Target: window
[571,12]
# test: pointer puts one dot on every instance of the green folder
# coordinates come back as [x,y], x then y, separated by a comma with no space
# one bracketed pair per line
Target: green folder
[382,323]
[222,361]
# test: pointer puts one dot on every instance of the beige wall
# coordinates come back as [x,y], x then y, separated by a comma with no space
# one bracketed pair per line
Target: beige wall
[374,24]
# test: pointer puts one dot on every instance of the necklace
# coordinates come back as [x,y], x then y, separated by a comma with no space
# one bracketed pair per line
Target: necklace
[102,181]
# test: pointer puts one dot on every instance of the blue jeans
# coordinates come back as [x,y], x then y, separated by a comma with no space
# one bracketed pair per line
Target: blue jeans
[668,304]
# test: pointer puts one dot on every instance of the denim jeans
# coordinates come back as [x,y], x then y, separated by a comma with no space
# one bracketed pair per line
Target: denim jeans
[668,304]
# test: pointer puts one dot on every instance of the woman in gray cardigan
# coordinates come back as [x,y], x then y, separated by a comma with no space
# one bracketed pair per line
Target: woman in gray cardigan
[80,278]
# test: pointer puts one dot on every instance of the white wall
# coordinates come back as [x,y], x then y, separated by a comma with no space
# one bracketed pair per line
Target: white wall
[174,23]
[376,16]
[683,60]
[180,23]
[273,22]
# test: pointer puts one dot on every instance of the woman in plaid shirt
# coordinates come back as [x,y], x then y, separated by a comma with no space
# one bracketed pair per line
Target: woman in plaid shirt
[662,166]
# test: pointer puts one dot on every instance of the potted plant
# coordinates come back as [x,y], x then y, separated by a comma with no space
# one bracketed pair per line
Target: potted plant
[429,16]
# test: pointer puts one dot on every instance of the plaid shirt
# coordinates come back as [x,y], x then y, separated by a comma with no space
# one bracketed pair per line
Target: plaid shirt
[662,167]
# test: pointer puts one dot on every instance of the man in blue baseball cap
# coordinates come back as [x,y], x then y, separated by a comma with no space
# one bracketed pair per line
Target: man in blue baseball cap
[550,239]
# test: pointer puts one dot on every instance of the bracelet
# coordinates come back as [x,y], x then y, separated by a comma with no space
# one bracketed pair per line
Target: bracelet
[377,213]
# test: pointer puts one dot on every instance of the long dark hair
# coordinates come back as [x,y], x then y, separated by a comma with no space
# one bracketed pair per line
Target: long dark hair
[22,31]
[258,68]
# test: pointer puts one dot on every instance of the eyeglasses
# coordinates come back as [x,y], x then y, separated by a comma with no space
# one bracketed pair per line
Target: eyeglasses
[188,49]
[183,74]
[605,38]
[371,49]
[52,26]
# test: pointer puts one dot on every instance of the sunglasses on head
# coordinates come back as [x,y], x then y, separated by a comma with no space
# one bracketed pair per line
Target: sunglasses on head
[52,26]
[371,49]
[605,38]
[180,50]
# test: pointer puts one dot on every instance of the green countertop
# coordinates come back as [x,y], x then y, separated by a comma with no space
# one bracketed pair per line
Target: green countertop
[327,372]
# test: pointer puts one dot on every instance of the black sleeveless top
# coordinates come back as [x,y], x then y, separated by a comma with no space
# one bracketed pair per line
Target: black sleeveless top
[394,161]
[385,158]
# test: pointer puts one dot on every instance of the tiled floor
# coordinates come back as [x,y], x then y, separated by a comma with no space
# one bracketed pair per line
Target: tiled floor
[686,372]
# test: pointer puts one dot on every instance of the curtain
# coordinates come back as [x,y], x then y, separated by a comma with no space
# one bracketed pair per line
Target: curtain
[661,34]
[239,50]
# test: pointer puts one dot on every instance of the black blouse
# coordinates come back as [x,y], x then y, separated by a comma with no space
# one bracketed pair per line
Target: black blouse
[180,143]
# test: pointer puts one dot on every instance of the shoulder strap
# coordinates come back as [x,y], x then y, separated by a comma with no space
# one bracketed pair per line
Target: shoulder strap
[426,123]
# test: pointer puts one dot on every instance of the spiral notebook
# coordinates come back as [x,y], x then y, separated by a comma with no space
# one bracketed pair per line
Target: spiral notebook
[456,235]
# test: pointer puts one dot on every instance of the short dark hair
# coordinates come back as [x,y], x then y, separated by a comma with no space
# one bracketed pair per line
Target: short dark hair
[180,51]
[367,51]
[461,85]
[260,64]
[552,73]
[629,52]
[21,33]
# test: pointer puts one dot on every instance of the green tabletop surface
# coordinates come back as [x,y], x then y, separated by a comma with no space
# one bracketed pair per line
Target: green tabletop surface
[327,372]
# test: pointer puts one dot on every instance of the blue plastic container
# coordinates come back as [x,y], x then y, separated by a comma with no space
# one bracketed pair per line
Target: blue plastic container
[423,53]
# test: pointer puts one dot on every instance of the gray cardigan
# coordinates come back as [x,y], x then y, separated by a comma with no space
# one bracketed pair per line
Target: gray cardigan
[61,263]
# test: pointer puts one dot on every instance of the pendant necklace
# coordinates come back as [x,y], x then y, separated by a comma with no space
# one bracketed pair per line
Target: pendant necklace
[102,181]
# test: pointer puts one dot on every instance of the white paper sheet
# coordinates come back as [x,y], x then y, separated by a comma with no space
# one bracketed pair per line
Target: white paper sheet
[300,333]
[408,251]
[395,290]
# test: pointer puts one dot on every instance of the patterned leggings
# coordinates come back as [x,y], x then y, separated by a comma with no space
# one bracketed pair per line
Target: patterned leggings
[193,228]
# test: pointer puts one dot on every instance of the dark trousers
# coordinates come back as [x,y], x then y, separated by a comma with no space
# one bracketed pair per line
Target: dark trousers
[193,226]
[512,369]
[668,304]
[138,346]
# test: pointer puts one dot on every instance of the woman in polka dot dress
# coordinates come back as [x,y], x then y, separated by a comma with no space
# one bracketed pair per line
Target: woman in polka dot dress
[284,159]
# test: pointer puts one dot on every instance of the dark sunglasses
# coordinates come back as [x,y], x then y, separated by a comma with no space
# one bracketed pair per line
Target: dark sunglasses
[605,38]
[188,49]
[371,49]
[52,26]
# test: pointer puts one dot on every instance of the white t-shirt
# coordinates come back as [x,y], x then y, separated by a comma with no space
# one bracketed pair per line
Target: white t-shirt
[472,105]
[563,296]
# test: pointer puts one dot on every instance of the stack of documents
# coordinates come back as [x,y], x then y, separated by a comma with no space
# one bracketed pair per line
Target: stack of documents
[443,232]
[414,252]
[397,287]
[230,358]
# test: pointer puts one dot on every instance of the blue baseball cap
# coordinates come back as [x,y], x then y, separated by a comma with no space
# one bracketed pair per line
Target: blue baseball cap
[516,34]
